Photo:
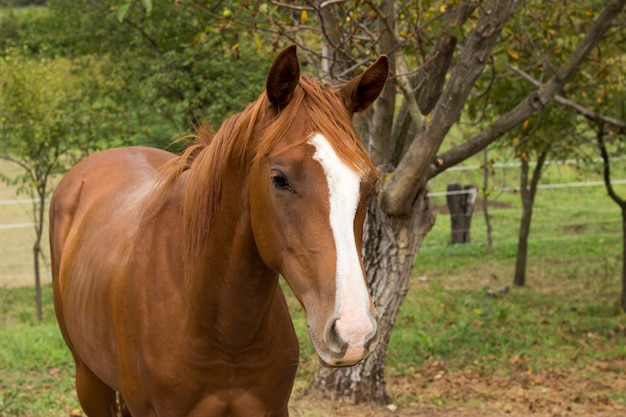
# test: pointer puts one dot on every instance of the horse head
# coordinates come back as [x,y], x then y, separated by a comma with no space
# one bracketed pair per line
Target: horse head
[310,185]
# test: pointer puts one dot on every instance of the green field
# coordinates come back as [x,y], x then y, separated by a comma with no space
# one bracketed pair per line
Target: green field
[557,345]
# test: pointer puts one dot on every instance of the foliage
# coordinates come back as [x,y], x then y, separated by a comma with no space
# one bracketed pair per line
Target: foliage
[49,112]
[22,3]
[539,39]
[175,65]
[53,111]
[186,65]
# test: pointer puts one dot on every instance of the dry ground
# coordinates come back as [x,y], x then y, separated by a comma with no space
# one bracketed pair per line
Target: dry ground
[436,392]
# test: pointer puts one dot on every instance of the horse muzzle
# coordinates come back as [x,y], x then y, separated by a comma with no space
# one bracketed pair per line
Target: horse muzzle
[347,342]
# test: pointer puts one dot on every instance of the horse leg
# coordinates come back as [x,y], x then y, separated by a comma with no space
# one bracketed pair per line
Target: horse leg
[96,398]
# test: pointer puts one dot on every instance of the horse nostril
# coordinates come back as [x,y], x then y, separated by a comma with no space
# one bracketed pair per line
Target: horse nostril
[335,343]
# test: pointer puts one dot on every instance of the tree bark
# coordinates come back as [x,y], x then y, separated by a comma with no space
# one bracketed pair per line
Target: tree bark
[39,210]
[389,251]
[36,257]
[528,190]
[623,297]
[428,85]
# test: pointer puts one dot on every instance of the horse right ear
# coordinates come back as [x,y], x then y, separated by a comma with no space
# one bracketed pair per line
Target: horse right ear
[283,77]
[359,93]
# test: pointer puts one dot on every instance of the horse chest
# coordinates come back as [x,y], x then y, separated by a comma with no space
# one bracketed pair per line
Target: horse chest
[217,387]
[191,373]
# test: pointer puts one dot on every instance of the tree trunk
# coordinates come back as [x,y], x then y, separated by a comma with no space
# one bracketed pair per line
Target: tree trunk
[39,210]
[519,280]
[486,173]
[528,190]
[389,249]
[36,256]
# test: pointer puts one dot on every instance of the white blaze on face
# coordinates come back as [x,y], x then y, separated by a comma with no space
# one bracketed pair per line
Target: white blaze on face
[352,304]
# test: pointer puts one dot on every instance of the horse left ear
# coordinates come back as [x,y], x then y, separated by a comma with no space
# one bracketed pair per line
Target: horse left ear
[283,77]
[359,93]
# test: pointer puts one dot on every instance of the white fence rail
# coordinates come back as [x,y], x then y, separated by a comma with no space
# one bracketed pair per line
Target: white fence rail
[432,194]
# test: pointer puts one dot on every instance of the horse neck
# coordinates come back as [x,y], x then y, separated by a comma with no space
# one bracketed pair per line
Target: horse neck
[230,290]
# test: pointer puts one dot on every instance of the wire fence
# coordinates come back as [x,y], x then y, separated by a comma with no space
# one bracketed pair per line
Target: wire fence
[576,222]
[560,222]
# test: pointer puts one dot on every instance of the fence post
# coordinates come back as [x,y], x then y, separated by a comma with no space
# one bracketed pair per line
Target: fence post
[461,207]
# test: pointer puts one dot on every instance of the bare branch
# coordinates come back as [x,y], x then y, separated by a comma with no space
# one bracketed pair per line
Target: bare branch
[589,114]
[292,6]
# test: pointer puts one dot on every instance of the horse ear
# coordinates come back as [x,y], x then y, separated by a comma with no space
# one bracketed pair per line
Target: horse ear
[283,77]
[359,93]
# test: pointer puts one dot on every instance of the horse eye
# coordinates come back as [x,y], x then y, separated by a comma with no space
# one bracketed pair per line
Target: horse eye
[280,181]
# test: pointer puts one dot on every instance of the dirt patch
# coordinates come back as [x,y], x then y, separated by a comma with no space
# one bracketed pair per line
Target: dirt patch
[435,391]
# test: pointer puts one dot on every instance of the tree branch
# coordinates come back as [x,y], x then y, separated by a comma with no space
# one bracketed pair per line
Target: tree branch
[534,101]
[606,168]
[292,6]
[589,114]
[401,189]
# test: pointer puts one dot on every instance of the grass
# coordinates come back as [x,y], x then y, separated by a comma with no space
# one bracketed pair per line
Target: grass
[473,329]
[35,366]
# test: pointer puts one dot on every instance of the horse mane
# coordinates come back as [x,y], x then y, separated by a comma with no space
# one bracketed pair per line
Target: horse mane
[243,140]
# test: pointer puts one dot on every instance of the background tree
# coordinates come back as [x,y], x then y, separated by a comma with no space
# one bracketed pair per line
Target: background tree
[600,98]
[49,118]
[438,54]
[597,94]
[541,37]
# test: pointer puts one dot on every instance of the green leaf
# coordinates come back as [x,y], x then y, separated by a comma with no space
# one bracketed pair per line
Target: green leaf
[122,10]
[147,4]
[500,62]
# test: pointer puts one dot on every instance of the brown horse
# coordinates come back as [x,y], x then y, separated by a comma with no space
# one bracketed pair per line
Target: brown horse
[165,268]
